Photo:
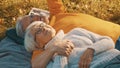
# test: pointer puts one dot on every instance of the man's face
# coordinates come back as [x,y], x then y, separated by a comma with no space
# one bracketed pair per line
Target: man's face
[43,34]
[27,20]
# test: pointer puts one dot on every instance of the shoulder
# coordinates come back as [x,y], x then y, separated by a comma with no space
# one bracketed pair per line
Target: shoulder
[8,44]
[79,31]
[6,40]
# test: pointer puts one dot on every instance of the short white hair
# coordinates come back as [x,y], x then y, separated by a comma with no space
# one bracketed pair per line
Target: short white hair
[29,42]
[19,27]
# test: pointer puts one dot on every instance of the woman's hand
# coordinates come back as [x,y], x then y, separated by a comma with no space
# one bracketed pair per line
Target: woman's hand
[63,47]
[86,58]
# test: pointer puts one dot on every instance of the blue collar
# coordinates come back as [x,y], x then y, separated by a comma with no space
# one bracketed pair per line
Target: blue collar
[11,33]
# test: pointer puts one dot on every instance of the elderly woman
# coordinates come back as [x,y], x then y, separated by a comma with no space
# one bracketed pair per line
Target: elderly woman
[39,35]
[60,19]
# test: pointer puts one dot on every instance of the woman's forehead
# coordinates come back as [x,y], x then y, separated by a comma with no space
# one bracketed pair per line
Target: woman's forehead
[36,27]
[34,30]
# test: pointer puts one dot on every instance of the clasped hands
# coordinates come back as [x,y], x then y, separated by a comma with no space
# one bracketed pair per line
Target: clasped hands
[65,47]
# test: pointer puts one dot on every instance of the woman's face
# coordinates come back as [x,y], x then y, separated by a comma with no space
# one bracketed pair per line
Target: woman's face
[43,34]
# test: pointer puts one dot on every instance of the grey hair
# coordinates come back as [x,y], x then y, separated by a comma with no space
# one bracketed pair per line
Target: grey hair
[29,42]
[19,27]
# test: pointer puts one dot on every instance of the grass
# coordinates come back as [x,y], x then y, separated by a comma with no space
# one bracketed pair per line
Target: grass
[11,9]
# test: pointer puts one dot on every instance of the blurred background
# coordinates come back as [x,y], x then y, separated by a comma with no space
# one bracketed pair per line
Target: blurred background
[11,9]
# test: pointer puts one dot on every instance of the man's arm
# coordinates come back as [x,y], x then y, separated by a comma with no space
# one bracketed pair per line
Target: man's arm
[55,7]
[86,58]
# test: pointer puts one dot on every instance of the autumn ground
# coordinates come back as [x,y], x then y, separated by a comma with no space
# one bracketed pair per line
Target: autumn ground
[11,9]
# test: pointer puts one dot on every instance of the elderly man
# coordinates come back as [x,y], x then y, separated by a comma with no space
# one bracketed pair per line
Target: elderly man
[12,52]
[17,34]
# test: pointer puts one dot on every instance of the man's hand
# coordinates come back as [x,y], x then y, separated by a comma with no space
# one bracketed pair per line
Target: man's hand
[86,58]
[63,47]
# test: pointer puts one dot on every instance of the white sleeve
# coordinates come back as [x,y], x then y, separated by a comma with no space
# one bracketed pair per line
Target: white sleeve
[100,43]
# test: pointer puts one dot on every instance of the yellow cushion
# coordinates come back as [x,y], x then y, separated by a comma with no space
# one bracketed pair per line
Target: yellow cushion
[88,22]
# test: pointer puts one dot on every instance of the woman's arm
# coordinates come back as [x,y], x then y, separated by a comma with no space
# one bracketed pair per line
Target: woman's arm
[55,7]
[61,47]
[42,60]
[100,43]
